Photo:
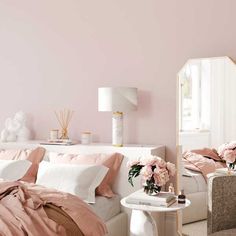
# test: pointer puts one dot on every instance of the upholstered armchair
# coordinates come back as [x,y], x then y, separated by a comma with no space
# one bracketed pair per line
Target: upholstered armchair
[221,218]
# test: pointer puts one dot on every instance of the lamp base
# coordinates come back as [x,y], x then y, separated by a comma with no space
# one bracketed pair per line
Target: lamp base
[117,145]
[117,129]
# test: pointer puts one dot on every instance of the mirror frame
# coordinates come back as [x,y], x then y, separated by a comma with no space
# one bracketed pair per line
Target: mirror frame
[178,146]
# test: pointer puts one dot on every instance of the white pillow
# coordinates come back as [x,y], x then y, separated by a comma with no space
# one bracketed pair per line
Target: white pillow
[13,169]
[80,180]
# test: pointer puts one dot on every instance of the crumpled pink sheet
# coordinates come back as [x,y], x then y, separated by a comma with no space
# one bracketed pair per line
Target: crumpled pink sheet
[197,162]
[22,213]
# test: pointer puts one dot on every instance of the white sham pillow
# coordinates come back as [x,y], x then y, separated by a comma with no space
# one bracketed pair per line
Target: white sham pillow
[13,169]
[80,180]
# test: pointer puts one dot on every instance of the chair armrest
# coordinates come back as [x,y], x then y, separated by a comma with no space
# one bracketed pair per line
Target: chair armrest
[221,203]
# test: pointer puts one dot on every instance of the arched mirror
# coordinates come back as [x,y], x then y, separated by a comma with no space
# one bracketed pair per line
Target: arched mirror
[206,119]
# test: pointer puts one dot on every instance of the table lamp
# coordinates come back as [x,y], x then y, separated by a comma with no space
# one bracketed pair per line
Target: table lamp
[117,100]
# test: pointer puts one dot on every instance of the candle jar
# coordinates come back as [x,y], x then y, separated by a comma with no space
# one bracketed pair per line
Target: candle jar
[54,134]
[86,138]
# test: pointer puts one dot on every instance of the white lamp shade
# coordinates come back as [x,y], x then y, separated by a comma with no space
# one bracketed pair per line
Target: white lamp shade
[117,99]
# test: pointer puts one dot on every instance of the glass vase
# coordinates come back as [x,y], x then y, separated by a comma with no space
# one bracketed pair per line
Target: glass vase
[151,189]
[231,167]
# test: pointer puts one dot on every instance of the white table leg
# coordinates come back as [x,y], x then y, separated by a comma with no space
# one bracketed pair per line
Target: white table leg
[142,224]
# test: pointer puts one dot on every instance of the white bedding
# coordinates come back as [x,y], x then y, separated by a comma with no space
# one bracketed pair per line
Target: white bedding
[106,208]
[195,189]
[80,180]
[194,182]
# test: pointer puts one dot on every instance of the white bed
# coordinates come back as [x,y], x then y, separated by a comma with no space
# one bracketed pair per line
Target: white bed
[195,188]
[107,208]
[116,217]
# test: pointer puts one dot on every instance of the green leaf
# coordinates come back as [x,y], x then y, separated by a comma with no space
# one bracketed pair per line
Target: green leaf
[134,172]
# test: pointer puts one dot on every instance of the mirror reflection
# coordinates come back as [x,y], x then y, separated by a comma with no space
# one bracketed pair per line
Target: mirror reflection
[206,115]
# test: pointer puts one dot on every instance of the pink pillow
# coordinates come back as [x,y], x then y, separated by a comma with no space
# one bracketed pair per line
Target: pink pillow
[112,161]
[35,156]
[207,152]
[14,154]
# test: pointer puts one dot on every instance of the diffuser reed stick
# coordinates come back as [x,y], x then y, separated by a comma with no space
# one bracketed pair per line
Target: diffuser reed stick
[64,117]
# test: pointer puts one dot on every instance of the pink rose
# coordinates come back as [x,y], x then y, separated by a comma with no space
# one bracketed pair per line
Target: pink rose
[150,160]
[153,161]
[222,149]
[161,163]
[226,146]
[161,176]
[231,145]
[157,179]
[146,172]
[229,156]
[171,168]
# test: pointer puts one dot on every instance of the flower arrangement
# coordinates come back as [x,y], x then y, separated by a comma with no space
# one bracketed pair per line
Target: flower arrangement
[154,171]
[228,152]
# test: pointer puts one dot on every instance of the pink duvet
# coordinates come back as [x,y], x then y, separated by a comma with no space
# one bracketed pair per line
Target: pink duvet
[197,162]
[22,213]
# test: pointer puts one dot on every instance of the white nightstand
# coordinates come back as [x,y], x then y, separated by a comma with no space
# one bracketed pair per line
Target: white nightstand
[142,223]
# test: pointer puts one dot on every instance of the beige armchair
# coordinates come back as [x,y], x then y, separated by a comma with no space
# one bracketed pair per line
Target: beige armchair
[221,219]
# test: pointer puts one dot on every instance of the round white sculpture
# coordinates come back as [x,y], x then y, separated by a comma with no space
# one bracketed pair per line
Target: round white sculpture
[15,129]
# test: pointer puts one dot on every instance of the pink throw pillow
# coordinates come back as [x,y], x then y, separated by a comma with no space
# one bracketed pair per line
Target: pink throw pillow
[14,154]
[35,156]
[207,152]
[112,161]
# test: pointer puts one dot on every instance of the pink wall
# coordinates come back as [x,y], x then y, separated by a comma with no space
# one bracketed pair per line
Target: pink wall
[55,54]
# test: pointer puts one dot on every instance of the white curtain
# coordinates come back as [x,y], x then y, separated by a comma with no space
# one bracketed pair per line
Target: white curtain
[217,130]
[230,100]
[223,96]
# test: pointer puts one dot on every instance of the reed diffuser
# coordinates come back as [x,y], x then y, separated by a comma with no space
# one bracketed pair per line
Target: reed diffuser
[64,117]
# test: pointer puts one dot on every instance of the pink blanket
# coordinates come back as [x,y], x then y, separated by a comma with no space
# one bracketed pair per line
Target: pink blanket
[197,162]
[22,213]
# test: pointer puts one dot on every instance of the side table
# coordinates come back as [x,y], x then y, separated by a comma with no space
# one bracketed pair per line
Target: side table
[142,223]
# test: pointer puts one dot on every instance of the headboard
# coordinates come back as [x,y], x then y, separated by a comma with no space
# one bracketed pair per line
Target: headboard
[130,152]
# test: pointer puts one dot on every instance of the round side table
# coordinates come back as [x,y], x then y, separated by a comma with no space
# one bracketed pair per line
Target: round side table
[142,223]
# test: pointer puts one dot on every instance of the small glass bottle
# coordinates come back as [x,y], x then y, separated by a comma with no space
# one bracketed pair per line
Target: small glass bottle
[181,197]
